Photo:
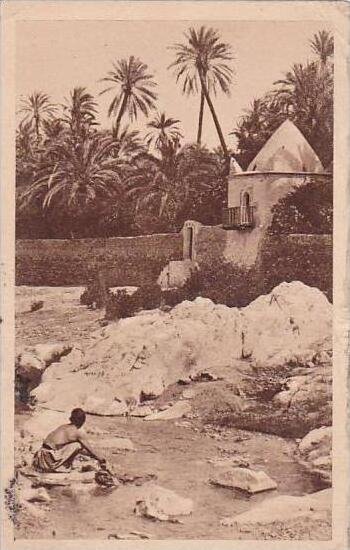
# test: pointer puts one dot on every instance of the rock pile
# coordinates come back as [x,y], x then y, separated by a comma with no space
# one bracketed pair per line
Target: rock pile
[138,357]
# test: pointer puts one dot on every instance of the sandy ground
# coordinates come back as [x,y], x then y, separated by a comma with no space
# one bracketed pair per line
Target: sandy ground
[176,452]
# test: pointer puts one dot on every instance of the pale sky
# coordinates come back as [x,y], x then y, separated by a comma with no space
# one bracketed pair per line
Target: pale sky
[56,56]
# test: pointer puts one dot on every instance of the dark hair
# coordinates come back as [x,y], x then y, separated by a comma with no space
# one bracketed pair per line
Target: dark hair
[77,417]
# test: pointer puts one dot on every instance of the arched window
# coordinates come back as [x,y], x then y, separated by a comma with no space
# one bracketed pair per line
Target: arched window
[245,200]
[245,210]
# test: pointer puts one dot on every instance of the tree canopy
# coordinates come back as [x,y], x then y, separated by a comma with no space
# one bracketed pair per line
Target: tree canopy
[74,178]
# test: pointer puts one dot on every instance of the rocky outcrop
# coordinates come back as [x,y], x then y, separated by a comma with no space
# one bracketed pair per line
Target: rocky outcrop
[291,324]
[139,357]
[32,362]
[315,453]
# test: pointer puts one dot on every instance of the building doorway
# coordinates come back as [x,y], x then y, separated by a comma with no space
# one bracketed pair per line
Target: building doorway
[189,252]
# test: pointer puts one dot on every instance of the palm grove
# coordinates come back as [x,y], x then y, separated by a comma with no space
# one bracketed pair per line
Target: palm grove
[76,179]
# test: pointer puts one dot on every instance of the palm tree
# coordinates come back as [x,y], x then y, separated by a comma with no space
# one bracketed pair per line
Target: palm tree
[165,184]
[80,112]
[204,58]
[26,153]
[322,45]
[53,128]
[163,131]
[129,143]
[133,84]
[24,139]
[39,108]
[75,179]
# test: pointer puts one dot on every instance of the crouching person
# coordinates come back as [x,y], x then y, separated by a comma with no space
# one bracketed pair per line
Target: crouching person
[62,445]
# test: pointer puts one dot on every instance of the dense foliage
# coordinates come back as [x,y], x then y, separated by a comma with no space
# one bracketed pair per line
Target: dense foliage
[75,179]
[307,209]
[304,95]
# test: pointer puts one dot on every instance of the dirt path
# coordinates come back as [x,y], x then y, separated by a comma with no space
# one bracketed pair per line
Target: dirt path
[61,318]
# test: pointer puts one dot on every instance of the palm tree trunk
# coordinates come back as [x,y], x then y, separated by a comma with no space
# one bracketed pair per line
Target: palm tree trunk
[120,114]
[200,120]
[216,121]
[37,129]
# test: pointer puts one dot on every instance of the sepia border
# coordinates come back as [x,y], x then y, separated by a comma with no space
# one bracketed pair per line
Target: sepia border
[337,13]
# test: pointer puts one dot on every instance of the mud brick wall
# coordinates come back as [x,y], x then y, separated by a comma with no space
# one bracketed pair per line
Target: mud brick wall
[124,260]
[306,258]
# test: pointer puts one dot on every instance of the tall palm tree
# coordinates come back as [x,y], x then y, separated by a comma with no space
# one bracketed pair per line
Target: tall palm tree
[202,62]
[322,44]
[80,112]
[133,84]
[162,131]
[39,108]
[75,178]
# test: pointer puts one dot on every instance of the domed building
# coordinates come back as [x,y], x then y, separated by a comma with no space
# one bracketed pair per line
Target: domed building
[286,151]
[285,162]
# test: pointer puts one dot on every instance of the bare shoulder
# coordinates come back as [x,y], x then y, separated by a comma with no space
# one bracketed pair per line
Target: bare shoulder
[81,434]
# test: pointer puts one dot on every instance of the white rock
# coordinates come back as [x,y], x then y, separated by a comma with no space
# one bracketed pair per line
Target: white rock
[28,359]
[284,508]
[315,453]
[62,479]
[140,356]
[189,393]
[315,438]
[178,410]
[158,503]
[281,326]
[50,352]
[244,479]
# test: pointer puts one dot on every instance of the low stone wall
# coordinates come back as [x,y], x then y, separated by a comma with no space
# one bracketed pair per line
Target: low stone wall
[136,261]
[123,260]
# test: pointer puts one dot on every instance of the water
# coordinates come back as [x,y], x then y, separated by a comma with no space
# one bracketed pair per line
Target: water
[178,456]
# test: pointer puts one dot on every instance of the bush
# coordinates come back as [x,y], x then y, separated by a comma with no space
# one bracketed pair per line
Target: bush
[306,209]
[94,296]
[297,258]
[228,284]
[147,297]
[120,305]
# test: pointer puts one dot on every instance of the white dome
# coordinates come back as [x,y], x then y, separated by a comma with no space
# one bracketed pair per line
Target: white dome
[286,150]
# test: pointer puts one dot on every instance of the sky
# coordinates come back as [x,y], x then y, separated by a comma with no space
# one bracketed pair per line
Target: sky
[56,56]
